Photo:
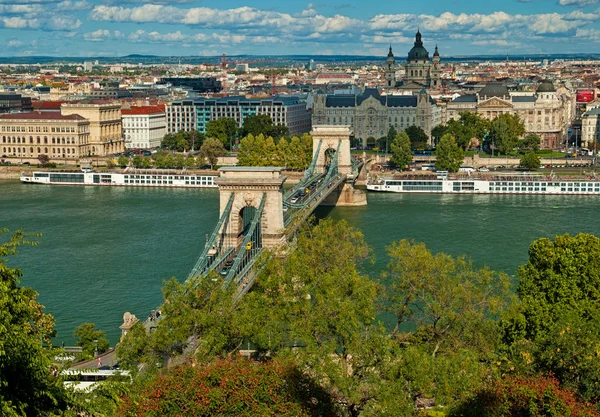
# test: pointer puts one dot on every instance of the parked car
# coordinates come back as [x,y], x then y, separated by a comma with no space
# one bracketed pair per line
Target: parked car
[484,169]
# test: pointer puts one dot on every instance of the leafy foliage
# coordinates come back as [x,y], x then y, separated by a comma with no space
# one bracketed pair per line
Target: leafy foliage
[227,388]
[525,397]
[469,126]
[530,160]
[89,338]
[212,149]
[182,141]
[262,124]
[27,385]
[505,131]
[400,148]
[449,156]
[418,138]
[225,129]
[262,151]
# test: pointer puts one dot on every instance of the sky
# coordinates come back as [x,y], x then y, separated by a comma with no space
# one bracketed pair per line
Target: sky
[292,27]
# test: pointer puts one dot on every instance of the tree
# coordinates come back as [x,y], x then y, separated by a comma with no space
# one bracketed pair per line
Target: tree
[449,156]
[251,152]
[469,126]
[316,298]
[262,124]
[530,142]
[418,138]
[137,161]
[44,160]
[505,131]
[123,161]
[225,129]
[450,303]
[212,149]
[91,340]
[437,132]
[530,160]
[230,387]
[559,275]
[400,149]
[520,396]
[27,384]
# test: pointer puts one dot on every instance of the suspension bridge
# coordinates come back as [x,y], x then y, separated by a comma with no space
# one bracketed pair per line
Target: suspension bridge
[256,214]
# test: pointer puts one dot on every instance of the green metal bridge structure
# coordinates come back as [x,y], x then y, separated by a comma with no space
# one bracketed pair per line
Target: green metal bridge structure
[258,215]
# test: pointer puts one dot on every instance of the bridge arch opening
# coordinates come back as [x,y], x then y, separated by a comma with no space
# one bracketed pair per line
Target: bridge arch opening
[246,216]
[330,155]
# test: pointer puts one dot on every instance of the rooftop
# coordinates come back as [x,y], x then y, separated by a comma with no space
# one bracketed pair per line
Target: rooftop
[143,110]
[41,116]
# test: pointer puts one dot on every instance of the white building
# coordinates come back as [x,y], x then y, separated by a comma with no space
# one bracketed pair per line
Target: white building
[144,127]
[590,128]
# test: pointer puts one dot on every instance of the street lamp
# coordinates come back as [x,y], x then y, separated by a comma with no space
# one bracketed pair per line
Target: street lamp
[95,348]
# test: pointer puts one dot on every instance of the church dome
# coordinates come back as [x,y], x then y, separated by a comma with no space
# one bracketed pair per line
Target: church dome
[418,52]
[546,86]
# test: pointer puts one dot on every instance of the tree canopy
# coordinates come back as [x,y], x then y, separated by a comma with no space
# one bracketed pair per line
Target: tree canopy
[262,151]
[449,156]
[212,149]
[27,384]
[262,124]
[505,131]
[225,129]
[418,138]
[530,160]
[400,149]
[468,126]
[182,141]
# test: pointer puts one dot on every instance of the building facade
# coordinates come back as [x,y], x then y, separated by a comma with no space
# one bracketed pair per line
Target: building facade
[10,103]
[590,128]
[106,133]
[370,115]
[144,127]
[60,137]
[544,113]
[290,111]
[419,71]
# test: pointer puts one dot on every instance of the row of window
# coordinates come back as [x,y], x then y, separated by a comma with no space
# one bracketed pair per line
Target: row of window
[18,151]
[24,140]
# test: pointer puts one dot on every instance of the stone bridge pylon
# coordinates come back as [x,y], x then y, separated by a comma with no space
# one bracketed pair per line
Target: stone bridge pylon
[335,143]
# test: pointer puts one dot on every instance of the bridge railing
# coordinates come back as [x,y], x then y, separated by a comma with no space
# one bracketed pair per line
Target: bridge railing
[205,258]
[243,251]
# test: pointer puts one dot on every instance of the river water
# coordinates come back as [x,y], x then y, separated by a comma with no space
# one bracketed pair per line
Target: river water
[107,250]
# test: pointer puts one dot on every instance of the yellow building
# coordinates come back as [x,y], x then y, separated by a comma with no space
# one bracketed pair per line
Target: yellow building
[106,135]
[60,137]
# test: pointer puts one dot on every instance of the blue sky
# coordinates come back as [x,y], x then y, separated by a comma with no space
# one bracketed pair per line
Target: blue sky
[284,27]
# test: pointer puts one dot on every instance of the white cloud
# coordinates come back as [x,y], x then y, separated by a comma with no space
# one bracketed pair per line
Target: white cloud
[577,2]
[102,35]
[14,43]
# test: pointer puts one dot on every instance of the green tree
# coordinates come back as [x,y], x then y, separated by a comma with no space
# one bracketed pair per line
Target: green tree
[530,160]
[230,387]
[418,138]
[400,150]
[281,158]
[437,133]
[137,161]
[89,339]
[225,129]
[530,142]
[316,298]
[123,161]
[449,156]
[251,152]
[469,126]
[27,384]
[505,131]
[447,301]
[262,124]
[212,149]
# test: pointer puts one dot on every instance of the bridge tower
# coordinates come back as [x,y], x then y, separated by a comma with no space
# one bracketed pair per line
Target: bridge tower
[250,185]
[335,143]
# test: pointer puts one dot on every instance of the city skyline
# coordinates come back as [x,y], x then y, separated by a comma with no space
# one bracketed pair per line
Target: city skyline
[189,27]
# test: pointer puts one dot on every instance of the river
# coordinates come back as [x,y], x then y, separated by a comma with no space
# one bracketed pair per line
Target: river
[107,250]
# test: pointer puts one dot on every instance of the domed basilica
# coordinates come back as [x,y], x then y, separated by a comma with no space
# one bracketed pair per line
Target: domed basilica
[420,71]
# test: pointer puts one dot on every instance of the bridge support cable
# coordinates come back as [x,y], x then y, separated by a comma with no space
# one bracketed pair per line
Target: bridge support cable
[244,255]
[308,175]
[211,244]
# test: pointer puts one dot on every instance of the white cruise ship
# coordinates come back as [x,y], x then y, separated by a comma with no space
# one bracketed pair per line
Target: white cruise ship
[127,179]
[508,184]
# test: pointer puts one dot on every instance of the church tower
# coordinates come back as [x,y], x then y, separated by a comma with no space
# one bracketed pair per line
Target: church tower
[436,68]
[390,70]
[418,64]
